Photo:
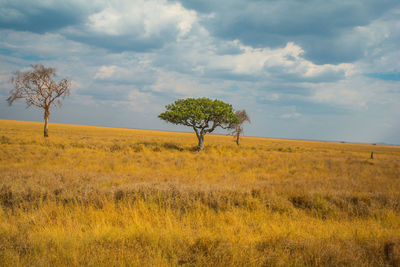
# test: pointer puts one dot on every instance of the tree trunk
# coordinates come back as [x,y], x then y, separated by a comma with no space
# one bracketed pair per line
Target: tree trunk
[46,122]
[238,131]
[201,142]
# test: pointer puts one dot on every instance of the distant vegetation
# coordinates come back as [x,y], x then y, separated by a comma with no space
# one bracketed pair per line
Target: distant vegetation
[93,196]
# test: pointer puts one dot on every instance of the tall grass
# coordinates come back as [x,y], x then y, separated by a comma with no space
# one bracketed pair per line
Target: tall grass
[109,197]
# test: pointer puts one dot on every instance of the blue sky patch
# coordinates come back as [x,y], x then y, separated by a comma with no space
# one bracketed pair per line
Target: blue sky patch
[395,76]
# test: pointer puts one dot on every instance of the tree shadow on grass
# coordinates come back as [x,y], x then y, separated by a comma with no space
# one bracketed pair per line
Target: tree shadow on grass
[158,147]
[172,146]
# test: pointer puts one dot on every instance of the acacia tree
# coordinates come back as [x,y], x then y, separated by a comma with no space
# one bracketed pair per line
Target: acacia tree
[202,114]
[237,127]
[39,89]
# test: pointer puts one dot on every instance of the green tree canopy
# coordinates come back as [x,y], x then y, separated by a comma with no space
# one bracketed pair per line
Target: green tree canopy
[204,115]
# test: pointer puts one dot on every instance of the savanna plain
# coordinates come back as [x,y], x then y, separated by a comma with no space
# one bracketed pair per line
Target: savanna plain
[96,196]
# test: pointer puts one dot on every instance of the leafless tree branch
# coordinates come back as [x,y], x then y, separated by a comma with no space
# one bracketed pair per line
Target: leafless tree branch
[39,89]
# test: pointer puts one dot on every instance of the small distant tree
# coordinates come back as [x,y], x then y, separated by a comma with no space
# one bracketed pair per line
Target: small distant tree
[238,127]
[39,89]
[202,114]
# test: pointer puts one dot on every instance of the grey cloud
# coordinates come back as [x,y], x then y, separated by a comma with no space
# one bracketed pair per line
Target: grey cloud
[279,73]
[323,28]
[40,17]
[227,48]
[229,75]
[71,20]
[106,91]
[116,88]
[318,26]
[202,6]
[345,47]
[289,17]
[119,44]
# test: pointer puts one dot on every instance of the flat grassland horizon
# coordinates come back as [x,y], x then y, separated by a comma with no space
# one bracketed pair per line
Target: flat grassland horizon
[100,196]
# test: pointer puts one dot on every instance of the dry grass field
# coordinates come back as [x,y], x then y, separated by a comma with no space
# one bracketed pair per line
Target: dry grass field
[98,196]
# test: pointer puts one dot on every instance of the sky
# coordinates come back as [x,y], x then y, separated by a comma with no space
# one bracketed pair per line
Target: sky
[310,69]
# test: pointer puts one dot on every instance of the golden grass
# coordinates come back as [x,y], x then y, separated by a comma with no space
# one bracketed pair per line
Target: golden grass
[100,196]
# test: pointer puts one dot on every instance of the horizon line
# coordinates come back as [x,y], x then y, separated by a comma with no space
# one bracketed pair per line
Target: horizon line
[252,136]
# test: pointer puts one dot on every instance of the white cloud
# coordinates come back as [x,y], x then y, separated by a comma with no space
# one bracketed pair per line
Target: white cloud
[381,38]
[105,72]
[290,60]
[142,19]
[275,63]
[359,92]
[344,96]
[106,21]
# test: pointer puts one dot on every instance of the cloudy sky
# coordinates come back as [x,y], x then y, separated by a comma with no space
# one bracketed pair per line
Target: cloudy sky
[311,69]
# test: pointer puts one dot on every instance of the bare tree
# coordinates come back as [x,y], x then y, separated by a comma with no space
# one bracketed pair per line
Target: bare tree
[237,127]
[39,89]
